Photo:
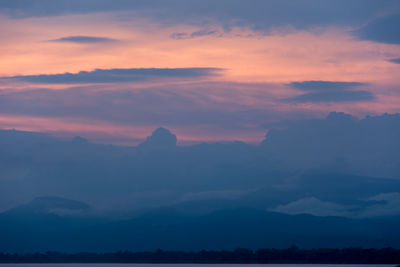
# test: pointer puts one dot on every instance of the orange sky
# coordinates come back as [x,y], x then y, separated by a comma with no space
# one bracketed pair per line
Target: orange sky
[260,66]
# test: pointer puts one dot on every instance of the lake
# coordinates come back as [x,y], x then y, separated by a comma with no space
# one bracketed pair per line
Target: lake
[192,265]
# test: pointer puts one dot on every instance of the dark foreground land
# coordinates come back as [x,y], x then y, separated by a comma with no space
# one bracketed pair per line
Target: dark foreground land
[290,255]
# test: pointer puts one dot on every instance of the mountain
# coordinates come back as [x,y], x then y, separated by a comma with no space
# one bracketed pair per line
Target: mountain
[43,221]
[171,229]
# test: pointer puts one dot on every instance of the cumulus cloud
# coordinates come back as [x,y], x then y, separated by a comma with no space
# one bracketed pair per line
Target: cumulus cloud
[83,39]
[160,139]
[338,142]
[117,75]
[329,91]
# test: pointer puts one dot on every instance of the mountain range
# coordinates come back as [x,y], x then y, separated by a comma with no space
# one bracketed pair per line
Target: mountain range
[45,225]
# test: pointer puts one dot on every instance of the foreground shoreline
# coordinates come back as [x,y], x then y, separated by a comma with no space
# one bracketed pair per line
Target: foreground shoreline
[292,255]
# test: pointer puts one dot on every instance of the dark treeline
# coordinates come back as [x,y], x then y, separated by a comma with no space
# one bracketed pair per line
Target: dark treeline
[290,255]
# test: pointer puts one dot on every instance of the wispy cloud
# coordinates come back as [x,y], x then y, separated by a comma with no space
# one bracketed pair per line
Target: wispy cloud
[84,39]
[200,33]
[329,91]
[324,85]
[341,96]
[197,107]
[385,204]
[315,207]
[117,75]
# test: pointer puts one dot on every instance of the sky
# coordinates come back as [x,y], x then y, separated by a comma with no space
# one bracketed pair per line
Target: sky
[113,71]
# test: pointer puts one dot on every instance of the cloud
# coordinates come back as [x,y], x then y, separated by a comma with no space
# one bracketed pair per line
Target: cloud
[324,85]
[340,143]
[204,172]
[194,109]
[383,30]
[386,204]
[201,33]
[160,139]
[259,14]
[170,105]
[117,75]
[329,91]
[395,60]
[315,207]
[341,96]
[83,39]
[390,205]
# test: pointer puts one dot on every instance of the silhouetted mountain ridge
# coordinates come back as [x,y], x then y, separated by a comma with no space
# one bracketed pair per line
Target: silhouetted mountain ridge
[171,229]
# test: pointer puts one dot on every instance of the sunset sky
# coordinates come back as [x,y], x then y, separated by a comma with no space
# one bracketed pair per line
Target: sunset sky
[113,71]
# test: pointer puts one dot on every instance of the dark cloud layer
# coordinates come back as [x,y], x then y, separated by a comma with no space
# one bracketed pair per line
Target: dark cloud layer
[117,75]
[345,138]
[84,39]
[329,91]
[383,30]
[257,14]
[309,158]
